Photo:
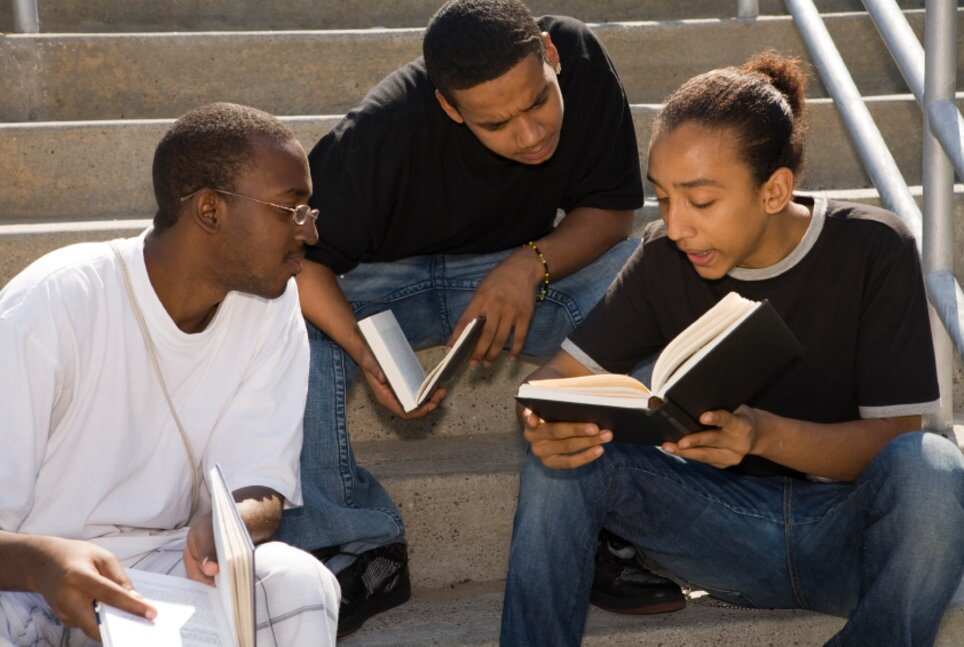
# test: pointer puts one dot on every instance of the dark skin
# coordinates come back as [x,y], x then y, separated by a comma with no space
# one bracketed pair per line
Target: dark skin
[218,244]
[518,116]
[722,218]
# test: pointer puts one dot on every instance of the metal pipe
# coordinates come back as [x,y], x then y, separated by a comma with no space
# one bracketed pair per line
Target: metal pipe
[26,17]
[946,123]
[940,77]
[867,140]
[901,41]
[749,9]
[948,299]
[904,46]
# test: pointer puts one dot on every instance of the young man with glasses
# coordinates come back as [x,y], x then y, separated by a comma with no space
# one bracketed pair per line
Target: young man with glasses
[136,365]
[440,193]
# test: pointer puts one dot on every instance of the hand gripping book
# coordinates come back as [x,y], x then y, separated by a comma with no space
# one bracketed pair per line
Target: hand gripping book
[719,361]
[189,613]
[411,384]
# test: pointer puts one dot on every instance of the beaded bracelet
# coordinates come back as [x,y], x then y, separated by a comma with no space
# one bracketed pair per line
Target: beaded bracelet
[544,288]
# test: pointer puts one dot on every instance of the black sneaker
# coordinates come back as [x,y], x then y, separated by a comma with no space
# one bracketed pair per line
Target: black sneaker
[377,581]
[621,584]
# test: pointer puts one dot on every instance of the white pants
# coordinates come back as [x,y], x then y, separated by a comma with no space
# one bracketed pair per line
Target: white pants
[297,602]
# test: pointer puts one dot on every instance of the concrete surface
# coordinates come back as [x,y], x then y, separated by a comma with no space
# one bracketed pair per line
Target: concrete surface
[126,76]
[66,171]
[191,15]
[469,615]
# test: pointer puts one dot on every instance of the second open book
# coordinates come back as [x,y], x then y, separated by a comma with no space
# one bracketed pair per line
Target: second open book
[191,614]
[411,384]
[720,361]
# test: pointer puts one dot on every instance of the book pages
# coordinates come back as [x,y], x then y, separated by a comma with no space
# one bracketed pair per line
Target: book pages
[714,321]
[395,356]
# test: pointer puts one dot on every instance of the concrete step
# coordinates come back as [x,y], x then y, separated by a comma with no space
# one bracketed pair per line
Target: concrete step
[457,497]
[146,15]
[469,614]
[64,171]
[124,76]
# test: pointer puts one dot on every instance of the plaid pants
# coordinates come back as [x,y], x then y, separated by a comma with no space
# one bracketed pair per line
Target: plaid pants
[297,601]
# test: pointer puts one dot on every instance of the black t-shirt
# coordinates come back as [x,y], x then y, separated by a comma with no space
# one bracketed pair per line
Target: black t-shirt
[397,178]
[851,291]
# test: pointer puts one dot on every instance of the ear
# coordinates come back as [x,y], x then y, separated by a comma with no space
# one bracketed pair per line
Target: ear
[777,191]
[551,53]
[207,211]
[449,109]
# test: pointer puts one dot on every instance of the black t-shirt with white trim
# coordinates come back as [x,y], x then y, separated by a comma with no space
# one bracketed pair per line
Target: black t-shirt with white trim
[397,178]
[851,291]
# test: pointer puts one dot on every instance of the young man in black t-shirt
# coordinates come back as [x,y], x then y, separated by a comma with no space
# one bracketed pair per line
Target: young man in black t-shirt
[821,492]
[438,195]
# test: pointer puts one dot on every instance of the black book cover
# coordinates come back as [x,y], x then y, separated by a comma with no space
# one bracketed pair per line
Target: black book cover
[740,365]
[641,426]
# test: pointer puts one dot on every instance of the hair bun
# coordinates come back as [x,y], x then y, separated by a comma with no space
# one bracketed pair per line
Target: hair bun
[785,73]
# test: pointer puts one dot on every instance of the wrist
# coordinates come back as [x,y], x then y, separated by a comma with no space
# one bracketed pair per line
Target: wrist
[766,429]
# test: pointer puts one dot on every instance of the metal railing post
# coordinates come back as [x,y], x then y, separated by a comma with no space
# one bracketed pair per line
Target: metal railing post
[940,77]
[26,17]
[748,9]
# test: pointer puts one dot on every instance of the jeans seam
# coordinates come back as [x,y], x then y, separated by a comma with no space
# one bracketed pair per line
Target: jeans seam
[788,541]
[341,424]
[700,493]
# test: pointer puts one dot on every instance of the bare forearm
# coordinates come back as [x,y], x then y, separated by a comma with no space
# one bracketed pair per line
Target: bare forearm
[325,306]
[19,556]
[260,509]
[837,451]
[584,235]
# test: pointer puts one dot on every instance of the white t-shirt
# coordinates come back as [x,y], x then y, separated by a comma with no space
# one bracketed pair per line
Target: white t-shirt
[88,446]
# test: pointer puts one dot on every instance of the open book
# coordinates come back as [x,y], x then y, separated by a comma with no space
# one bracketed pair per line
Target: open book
[719,361]
[411,384]
[191,614]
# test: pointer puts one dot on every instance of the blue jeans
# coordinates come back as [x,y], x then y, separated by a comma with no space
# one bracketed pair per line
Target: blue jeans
[344,504]
[883,551]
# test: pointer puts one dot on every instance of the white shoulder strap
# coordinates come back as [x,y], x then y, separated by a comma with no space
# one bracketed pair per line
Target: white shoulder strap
[152,354]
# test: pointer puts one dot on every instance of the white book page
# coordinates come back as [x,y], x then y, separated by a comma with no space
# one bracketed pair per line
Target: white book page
[235,552]
[698,334]
[189,614]
[429,383]
[395,356]
[611,398]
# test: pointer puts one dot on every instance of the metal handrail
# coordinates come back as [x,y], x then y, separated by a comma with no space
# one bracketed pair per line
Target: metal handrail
[26,17]
[902,43]
[935,240]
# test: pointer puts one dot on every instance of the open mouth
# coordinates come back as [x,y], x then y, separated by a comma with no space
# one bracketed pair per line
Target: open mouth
[539,154]
[701,258]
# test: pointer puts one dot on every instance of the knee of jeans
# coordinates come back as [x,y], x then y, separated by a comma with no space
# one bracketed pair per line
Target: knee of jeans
[927,471]
[299,575]
[543,488]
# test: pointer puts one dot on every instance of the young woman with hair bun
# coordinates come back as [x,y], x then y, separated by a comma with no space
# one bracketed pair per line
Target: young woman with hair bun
[822,492]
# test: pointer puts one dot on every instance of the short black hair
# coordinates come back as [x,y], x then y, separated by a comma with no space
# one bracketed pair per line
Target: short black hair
[208,147]
[468,42]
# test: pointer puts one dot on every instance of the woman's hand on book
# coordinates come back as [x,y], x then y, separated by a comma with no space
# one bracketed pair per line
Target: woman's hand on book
[200,554]
[564,445]
[507,298]
[727,445]
[72,575]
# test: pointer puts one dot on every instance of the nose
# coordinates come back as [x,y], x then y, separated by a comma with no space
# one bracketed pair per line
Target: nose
[307,231]
[677,227]
[529,132]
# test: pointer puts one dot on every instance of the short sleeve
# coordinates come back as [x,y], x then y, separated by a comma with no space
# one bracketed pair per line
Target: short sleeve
[896,375]
[608,176]
[29,383]
[258,441]
[621,330]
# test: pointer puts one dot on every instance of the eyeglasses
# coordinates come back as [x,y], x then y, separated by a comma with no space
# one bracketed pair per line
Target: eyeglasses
[299,213]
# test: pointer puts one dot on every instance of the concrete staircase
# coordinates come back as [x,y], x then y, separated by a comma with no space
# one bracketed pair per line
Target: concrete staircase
[85,102]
